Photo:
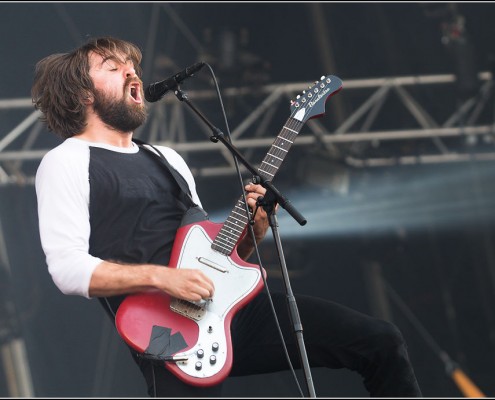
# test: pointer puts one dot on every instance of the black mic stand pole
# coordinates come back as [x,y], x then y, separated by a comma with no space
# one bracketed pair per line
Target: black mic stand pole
[269,201]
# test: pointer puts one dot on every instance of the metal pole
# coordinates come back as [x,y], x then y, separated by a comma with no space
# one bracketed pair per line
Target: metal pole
[16,367]
[13,349]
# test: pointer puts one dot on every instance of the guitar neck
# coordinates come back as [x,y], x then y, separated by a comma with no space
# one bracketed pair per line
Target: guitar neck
[236,222]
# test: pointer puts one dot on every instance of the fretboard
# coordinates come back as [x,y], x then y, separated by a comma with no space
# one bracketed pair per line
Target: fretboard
[235,224]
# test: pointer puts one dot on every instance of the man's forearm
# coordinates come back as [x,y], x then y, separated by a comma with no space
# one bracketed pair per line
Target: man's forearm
[111,279]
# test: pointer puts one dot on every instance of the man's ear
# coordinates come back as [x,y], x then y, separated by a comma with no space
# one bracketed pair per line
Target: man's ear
[88,98]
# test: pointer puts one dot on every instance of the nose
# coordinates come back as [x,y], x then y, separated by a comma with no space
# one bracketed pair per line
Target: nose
[129,70]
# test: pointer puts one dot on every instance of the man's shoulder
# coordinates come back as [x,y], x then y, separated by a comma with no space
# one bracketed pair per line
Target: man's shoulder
[69,145]
[67,152]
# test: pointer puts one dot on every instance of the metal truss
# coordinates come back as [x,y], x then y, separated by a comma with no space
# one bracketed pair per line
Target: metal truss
[352,140]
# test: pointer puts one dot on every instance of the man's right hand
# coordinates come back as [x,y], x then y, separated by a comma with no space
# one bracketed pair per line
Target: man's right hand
[187,284]
[111,279]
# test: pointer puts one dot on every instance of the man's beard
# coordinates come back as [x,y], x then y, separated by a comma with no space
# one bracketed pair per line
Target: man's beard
[118,114]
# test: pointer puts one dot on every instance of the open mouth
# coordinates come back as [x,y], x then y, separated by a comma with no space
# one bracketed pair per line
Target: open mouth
[135,92]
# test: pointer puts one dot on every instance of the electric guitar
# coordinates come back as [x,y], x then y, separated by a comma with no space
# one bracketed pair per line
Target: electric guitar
[193,339]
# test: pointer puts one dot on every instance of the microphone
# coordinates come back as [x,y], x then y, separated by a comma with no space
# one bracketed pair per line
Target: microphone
[155,91]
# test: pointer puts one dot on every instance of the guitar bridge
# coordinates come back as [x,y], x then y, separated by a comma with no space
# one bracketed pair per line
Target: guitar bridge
[188,309]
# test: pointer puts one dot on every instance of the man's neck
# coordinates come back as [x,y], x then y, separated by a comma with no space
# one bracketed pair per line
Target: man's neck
[97,131]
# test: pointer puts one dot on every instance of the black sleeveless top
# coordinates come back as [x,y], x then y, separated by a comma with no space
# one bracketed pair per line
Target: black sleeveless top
[135,208]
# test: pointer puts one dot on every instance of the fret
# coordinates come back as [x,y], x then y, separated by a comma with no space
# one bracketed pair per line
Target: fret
[235,230]
[292,130]
[260,170]
[278,158]
[287,140]
[225,241]
[271,165]
[280,148]
[221,249]
[228,238]
[242,220]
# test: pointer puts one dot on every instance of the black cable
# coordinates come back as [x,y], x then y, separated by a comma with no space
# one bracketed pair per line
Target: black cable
[251,231]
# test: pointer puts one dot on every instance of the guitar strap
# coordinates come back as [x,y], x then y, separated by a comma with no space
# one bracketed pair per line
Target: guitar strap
[162,343]
[176,175]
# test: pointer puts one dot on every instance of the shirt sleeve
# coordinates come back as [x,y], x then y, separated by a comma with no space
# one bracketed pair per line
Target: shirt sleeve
[62,190]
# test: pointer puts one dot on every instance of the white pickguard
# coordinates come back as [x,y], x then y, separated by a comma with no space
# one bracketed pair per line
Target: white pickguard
[232,283]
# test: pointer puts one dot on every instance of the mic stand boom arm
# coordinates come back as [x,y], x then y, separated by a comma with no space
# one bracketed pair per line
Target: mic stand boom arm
[269,201]
[218,135]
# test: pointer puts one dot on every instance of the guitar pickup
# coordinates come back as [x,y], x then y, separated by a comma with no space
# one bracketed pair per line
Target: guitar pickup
[211,264]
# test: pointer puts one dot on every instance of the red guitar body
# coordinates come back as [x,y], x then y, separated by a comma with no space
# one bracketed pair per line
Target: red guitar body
[204,329]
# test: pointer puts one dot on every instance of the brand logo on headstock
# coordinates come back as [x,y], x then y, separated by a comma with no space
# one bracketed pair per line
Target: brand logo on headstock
[320,95]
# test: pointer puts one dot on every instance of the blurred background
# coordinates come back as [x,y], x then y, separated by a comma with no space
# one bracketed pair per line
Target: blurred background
[395,179]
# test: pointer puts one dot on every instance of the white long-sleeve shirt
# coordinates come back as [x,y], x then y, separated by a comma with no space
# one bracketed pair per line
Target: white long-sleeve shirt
[63,194]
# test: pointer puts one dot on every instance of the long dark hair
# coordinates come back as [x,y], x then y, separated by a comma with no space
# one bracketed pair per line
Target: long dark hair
[62,83]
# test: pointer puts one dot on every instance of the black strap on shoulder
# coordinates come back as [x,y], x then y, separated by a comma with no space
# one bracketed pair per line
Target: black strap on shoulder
[177,176]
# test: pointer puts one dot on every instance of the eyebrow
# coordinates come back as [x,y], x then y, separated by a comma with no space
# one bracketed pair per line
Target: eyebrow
[116,59]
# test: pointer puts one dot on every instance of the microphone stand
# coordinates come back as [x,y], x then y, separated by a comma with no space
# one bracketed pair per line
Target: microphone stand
[269,201]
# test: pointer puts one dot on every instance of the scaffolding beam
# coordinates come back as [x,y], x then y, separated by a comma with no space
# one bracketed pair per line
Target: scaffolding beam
[185,140]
